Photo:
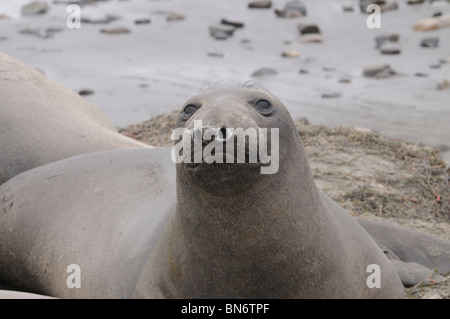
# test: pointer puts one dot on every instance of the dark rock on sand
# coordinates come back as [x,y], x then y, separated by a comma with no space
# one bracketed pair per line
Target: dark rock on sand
[3,38]
[415,2]
[115,30]
[142,21]
[389,48]
[234,24]
[260,4]
[307,28]
[311,38]
[221,31]
[348,7]
[303,71]
[85,92]
[265,71]
[290,54]
[107,19]
[390,37]
[35,32]
[292,9]
[429,42]
[437,14]
[35,8]
[384,5]
[345,79]
[420,74]
[215,55]
[329,95]
[380,71]
[175,16]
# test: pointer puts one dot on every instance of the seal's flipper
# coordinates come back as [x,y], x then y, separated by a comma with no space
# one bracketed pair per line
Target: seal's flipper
[412,273]
[412,247]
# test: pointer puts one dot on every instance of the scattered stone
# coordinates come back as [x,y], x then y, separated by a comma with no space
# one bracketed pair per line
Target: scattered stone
[329,69]
[389,48]
[234,24]
[215,55]
[246,41]
[420,74]
[445,84]
[308,29]
[35,8]
[290,54]
[85,92]
[329,95]
[437,14]
[260,4]
[432,23]
[142,21]
[3,38]
[174,16]
[413,2]
[429,43]
[35,32]
[287,42]
[435,66]
[311,38]
[292,9]
[107,19]
[390,37]
[4,16]
[115,30]
[143,85]
[384,5]
[381,71]
[265,71]
[53,30]
[221,31]
[345,79]
[348,7]
[303,71]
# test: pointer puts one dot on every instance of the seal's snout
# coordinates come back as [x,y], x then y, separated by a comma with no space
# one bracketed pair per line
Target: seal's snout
[207,134]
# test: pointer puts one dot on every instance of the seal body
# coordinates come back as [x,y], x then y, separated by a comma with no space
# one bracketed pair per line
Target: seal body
[42,121]
[137,225]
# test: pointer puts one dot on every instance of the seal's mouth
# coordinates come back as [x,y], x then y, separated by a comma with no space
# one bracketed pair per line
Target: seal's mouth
[226,159]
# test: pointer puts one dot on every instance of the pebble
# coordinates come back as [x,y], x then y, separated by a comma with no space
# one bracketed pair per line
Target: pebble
[215,55]
[85,92]
[389,48]
[415,2]
[142,21]
[345,79]
[329,95]
[420,74]
[3,38]
[303,71]
[437,14]
[35,8]
[107,19]
[234,24]
[260,4]
[390,37]
[384,5]
[308,29]
[445,84]
[311,38]
[348,7]
[329,69]
[4,16]
[435,66]
[264,71]
[429,42]
[174,16]
[290,54]
[432,23]
[35,32]
[292,9]
[115,30]
[221,31]
[380,71]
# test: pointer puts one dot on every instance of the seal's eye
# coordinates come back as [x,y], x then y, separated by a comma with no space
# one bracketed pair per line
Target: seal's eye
[190,109]
[263,106]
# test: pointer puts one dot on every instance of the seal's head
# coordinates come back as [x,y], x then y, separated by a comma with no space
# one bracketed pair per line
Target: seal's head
[233,135]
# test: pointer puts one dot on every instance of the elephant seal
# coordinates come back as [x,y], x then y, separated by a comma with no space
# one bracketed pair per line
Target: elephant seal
[42,121]
[137,225]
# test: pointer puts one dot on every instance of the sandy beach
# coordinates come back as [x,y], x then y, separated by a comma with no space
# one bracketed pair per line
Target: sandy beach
[156,66]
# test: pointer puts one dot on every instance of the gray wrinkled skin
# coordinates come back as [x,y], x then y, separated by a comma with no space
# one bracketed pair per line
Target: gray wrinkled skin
[42,121]
[140,226]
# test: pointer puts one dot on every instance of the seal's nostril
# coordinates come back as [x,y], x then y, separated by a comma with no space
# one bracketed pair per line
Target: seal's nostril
[223,133]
